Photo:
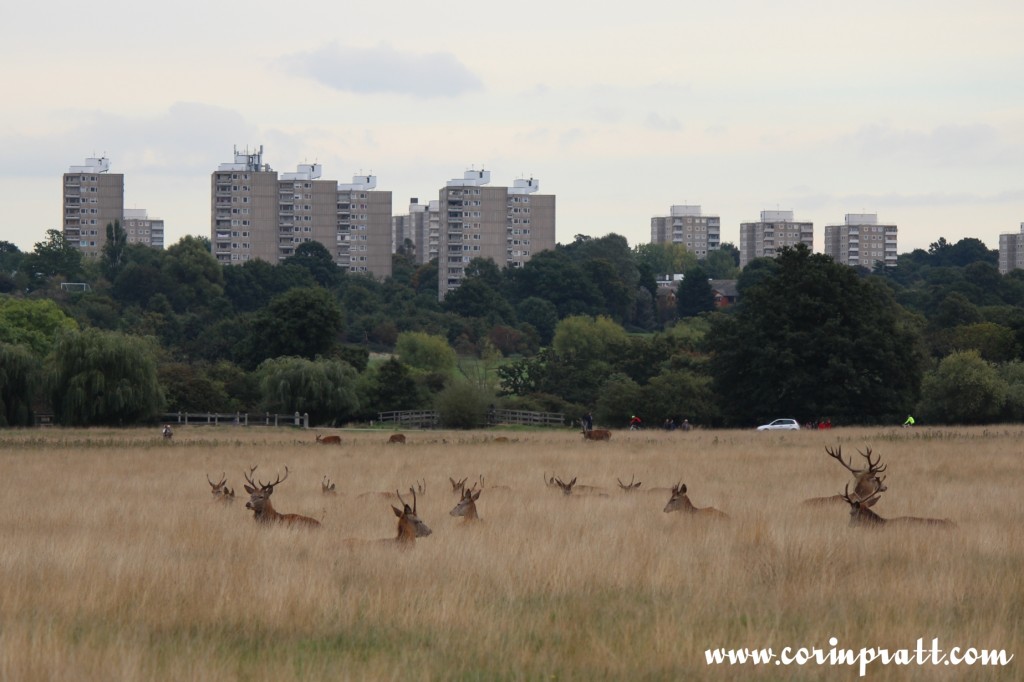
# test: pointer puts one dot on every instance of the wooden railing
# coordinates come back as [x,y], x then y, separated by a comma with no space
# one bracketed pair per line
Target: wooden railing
[237,419]
[429,419]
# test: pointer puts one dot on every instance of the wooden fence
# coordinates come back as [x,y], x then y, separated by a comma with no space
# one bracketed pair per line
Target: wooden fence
[428,419]
[237,419]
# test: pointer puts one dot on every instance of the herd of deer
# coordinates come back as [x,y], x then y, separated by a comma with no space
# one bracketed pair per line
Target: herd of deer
[869,484]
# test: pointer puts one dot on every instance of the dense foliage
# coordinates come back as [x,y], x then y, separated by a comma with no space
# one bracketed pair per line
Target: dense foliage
[592,325]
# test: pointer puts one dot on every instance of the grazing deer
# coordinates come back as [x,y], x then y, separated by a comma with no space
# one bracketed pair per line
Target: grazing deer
[629,487]
[680,501]
[397,438]
[263,510]
[861,515]
[328,440]
[168,432]
[220,491]
[597,434]
[466,508]
[328,487]
[868,482]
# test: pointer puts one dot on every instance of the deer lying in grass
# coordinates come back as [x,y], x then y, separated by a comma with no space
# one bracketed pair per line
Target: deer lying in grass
[680,501]
[327,487]
[630,487]
[466,508]
[263,510]
[861,515]
[458,486]
[867,479]
[597,434]
[490,487]
[421,486]
[410,527]
[571,488]
[397,438]
[220,491]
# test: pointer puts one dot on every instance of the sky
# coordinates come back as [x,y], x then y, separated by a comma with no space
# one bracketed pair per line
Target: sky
[912,110]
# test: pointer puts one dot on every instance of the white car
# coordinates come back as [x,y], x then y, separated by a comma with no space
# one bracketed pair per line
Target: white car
[780,425]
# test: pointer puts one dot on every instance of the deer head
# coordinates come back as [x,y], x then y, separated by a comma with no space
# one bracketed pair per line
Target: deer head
[259,495]
[566,487]
[868,481]
[328,487]
[467,505]
[629,487]
[410,526]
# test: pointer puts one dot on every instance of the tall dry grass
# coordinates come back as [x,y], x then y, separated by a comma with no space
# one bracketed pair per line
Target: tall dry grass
[117,565]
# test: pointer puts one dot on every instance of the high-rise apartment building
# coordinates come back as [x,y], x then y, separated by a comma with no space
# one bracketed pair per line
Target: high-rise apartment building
[93,198]
[686,226]
[861,241]
[1011,251]
[505,224]
[244,211]
[775,230]
[420,228]
[140,228]
[364,227]
[257,214]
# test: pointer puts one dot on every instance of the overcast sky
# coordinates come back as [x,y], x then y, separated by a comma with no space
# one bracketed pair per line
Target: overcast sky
[913,110]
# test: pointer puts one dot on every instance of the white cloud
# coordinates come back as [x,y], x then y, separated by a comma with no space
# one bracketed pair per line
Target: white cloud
[383,69]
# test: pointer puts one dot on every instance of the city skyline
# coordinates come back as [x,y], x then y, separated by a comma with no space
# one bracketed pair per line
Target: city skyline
[909,112]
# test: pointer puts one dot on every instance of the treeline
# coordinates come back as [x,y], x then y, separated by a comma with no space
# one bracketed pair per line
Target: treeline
[580,328]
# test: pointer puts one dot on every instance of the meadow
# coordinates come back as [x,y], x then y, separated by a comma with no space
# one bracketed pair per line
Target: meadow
[117,564]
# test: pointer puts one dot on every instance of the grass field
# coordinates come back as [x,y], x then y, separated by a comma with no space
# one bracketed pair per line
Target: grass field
[117,565]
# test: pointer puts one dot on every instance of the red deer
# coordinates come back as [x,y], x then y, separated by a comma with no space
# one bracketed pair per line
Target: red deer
[422,486]
[458,486]
[680,501]
[493,487]
[466,508]
[861,515]
[410,526]
[597,434]
[501,439]
[867,480]
[168,433]
[328,440]
[327,487]
[629,487]
[220,491]
[571,488]
[263,510]
[397,438]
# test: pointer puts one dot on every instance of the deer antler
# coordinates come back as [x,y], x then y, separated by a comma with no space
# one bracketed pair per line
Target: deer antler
[265,486]
[838,456]
[873,467]
[223,480]
[248,477]
[629,486]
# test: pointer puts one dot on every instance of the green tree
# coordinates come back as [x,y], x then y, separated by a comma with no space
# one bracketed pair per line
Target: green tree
[314,257]
[198,277]
[33,323]
[113,256]
[325,389]
[20,373]
[303,322]
[97,377]
[541,314]
[815,339]
[463,405]
[694,295]
[582,339]
[389,386]
[52,257]
[425,352]
[963,389]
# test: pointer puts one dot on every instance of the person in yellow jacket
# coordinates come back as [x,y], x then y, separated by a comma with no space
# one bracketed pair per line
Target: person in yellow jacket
[909,422]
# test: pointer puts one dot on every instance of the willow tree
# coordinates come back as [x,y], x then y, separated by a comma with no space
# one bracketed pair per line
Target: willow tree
[325,389]
[19,376]
[98,377]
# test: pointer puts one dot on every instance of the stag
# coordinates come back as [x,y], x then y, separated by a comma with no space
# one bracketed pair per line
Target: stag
[597,434]
[328,440]
[410,526]
[263,509]
[680,501]
[861,514]
[458,486]
[868,481]
[466,508]
[571,488]
[220,491]
[328,487]
[629,487]
[397,438]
